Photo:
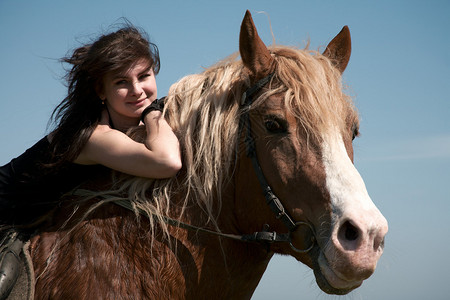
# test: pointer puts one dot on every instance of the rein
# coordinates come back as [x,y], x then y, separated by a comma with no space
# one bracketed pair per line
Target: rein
[274,203]
[263,236]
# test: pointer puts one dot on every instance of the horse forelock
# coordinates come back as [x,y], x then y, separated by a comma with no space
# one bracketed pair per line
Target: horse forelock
[313,91]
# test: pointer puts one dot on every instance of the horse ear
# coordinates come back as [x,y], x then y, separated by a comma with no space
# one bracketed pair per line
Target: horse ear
[255,55]
[339,49]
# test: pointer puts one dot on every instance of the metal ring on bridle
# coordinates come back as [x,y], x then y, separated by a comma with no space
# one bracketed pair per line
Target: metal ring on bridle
[313,239]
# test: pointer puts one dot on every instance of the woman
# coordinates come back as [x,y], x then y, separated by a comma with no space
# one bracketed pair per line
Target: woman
[111,88]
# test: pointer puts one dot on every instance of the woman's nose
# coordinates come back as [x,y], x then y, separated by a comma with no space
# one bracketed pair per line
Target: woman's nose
[137,88]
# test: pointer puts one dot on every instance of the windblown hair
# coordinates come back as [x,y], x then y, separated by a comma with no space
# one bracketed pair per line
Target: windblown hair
[204,111]
[79,113]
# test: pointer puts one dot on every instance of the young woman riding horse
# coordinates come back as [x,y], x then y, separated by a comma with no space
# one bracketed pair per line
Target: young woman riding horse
[111,88]
[267,156]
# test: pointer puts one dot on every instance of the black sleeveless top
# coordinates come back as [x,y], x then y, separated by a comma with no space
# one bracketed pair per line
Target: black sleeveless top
[29,188]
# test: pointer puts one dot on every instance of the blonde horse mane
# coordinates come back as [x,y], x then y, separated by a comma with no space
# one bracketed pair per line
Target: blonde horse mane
[203,109]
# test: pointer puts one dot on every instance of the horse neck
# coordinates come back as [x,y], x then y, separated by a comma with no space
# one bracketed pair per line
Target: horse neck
[234,267]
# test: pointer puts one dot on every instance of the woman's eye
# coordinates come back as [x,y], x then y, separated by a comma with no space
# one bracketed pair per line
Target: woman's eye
[121,82]
[274,126]
[146,75]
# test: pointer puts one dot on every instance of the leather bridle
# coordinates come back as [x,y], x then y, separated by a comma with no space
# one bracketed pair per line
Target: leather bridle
[274,203]
[264,236]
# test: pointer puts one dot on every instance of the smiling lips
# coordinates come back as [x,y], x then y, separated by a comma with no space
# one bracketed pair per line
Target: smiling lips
[137,102]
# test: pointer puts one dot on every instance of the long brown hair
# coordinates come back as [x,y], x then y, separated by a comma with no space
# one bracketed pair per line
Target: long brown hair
[78,114]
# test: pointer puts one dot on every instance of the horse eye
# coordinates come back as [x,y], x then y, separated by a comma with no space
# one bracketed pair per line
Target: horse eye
[274,125]
[355,131]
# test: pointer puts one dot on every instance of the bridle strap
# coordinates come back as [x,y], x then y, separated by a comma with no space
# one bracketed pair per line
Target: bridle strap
[246,98]
[265,236]
[274,203]
[262,236]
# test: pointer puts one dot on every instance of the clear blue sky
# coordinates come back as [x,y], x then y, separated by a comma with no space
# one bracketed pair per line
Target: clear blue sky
[399,75]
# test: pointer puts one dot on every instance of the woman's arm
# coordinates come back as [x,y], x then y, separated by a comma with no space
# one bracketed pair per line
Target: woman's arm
[158,157]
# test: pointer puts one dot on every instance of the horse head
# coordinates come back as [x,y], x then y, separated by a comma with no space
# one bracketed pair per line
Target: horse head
[303,126]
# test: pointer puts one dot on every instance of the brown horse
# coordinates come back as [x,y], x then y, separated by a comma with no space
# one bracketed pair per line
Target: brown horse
[273,128]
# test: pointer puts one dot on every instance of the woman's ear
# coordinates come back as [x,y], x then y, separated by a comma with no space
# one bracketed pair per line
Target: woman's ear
[100,92]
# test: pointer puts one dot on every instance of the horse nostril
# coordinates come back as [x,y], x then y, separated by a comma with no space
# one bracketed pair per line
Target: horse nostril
[382,244]
[349,231]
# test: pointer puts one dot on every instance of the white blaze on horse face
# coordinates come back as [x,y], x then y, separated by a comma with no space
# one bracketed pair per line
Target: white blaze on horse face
[358,228]
[347,190]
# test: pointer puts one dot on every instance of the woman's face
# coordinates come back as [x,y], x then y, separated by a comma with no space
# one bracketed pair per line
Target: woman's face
[127,93]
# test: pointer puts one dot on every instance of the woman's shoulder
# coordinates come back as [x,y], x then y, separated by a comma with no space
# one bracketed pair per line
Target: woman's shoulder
[101,143]
[105,135]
